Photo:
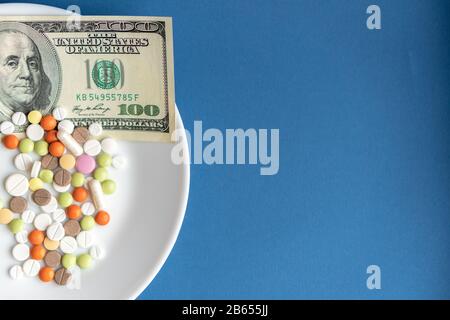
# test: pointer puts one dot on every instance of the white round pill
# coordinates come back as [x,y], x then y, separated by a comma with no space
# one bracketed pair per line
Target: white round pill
[42,221]
[96,252]
[28,216]
[35,169]
[7,127]
[59,113]
[19,118]
[16,185]
[31,268]
[59,215]
[23,161]
[119,162]
[92,147]
[109,145]
[68,245]
[85,239]
[56,231]
[21,252]
[95,129]
[22,236]
[51,206]
[60,188]
[16,272]
[35,132]
[66,126]
[88,208]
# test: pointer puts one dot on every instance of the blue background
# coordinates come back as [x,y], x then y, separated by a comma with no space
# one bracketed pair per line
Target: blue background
[364,126]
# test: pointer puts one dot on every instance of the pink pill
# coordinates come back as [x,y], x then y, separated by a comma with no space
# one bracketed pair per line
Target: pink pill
[85,164]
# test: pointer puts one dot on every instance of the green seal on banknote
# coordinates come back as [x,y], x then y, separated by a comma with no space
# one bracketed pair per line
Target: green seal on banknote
[106,74]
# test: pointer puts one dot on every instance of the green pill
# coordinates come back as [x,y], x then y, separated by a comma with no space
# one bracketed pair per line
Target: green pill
[26,145]
[69,260]
[101,174]
[46,175]
[108,186]
[77,179]
[41,148]
[84,261]
[65,199]
[16,226]
[87,223]
[104,160]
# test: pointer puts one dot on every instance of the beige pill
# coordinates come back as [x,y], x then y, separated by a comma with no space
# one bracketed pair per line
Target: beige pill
[51,244]
[67,161]
[6,216]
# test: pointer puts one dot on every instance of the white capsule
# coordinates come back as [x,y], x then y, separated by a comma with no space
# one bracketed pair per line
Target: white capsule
[23,161]
[35,132]
[92,147]
[97,252]
[21,252]
[68,245]
[88,208]
[70,143]
[42,221]
[7,127]
[59,113]
[96,191]
[66,126]
[109,145]
[95,129]
[36,169]
[51,206]
[16,272]
[119,162]
[19,118]
[31,268]
[56,231]
[59,215]
[28,216]
[22,236]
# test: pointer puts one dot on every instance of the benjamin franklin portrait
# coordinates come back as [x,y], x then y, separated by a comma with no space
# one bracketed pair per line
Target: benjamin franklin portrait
[24,83]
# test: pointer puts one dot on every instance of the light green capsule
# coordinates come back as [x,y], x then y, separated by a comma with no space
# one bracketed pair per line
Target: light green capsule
[46,175]
[16,225]
[41,148]
[26,145]
[77,179]
[87,223]
[69,260]
[84,261]
[65,199]
[101,174]
[104,160]
[108,186]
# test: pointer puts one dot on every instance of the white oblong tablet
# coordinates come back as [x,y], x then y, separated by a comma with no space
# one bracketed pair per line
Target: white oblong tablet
[96,252]
[7,127]
[51,206]
[109,145]
[56,231]
[31,268]
[35,132]
[22,236]
[68,245]
[59,113]
[42,221]
[16,185]
[21,252]
[66,126]
[88,208]
[28,216]
[85,239]
[19,118]
[59,215]
[92,147]
[23,161]
[60,188]
[16,272]
[35,169]
[95,129]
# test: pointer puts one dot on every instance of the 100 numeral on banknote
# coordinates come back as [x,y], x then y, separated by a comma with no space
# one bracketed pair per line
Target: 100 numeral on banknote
[117,71]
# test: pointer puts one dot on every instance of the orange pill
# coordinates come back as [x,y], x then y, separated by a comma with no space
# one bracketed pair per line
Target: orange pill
[56,149]
[36,237]
[80,194]
[73,211]
[46,274]
[38,252]
[10,141]
[48,122]
[102,218]
[50,136]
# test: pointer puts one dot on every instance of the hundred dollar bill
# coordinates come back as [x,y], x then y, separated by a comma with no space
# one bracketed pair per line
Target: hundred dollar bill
[117,71]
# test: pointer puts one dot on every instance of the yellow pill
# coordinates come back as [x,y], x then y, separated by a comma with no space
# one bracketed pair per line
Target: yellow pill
[36,184]
[34,117]
[51,245]
[6,216]
[67,161]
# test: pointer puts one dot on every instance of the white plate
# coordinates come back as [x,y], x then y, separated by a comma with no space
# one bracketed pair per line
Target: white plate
[147,212]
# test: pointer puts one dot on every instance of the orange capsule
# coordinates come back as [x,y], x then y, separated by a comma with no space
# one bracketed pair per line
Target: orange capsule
[48,122]
[38,252]
[36,237]
[56,149]
[10,141]
[73,211]
[102,218]
[50,136]
[46,274]
[80,194]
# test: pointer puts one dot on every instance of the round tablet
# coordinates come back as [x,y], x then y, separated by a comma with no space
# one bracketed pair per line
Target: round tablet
[95,129]
[6,216]
[18,204]
[59,215]
[59,113]
[23,161]
[52,259]
[60,188]
[92,147]
[35,132]
[88,208]
[51,244]
[67,126]
[85,164]
[51,206]
[16,272]
[19,118]
[22,236]
[42,221]
[49,162]
[28,216]
[55,231]
[81,135]
[34,116]
[16,185]
[21,252]
[42,197]
[85,239]
[6,127]
[67,161]
[31,268]
[96,252]
[62,177]
[119,162]
[72,228]
[109,145]
[68,245]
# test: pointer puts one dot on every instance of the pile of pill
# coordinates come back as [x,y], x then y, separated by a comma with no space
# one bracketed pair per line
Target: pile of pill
[62,170]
